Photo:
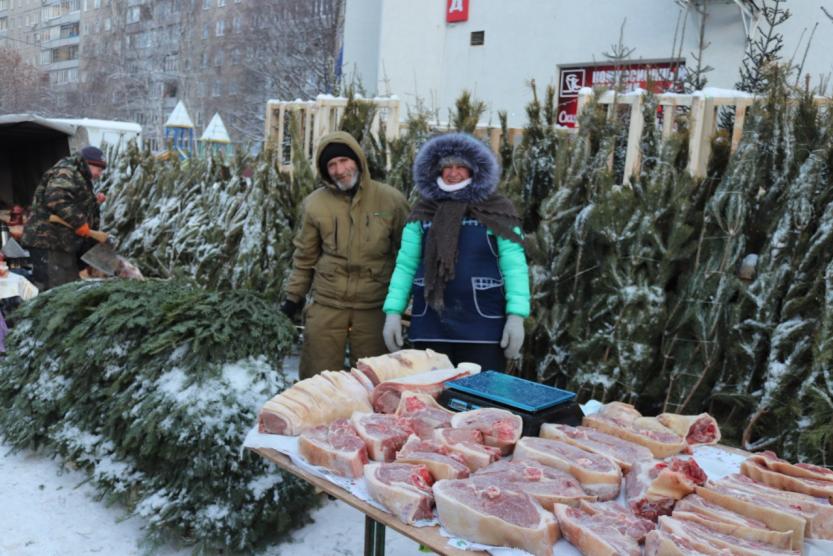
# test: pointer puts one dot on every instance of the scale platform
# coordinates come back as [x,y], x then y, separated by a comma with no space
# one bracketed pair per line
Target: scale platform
[535,403]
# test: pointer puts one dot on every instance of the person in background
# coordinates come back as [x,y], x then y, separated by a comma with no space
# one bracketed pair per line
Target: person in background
[345,250]
[462,255]
[65,218]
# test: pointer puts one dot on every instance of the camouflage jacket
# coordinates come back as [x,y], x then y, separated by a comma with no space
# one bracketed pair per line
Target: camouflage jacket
[66,190]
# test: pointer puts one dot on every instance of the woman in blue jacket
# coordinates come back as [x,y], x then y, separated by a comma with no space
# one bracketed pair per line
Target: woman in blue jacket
[462,256]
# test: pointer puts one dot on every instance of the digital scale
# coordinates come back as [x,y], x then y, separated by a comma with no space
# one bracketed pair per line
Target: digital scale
[535,403]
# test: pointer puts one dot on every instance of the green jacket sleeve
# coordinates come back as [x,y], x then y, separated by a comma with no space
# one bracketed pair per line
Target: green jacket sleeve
[407,261]
[307,251]
[512,264]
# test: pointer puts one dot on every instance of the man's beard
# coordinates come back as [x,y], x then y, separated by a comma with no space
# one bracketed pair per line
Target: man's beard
[348,183]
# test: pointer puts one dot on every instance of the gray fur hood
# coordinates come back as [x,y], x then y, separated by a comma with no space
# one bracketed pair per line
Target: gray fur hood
[485,168]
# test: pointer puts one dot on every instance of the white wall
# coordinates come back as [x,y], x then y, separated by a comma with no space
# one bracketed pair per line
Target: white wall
[362,21]
[419,55]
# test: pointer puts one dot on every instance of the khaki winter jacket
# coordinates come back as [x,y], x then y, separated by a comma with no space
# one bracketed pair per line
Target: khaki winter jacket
[345,248]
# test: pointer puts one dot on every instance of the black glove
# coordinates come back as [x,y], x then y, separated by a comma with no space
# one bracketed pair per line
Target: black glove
[291,308]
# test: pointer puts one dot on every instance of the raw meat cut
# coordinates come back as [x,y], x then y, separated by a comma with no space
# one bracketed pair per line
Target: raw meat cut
[775,515]
[598,475]
[696,429]
[663,543]
[336,447]
[467,443]
[652,488]
[624,453]
[494,516]
[708,536]
[778,539]
[441,463]
[402,363]
[363,380]
[383,434]
[314,401]
[547,485]
[624,421]
[800,470]
[500,428]
[425,413]
[621,518]
[761,467]
[385,397]
[402,488]
[817,511]
[695,503]
[594,534]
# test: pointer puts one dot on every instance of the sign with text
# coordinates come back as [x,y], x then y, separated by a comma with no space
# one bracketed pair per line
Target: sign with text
[456,11]
[659,77]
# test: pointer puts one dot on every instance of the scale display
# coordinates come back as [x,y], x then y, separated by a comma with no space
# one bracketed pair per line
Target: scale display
[511,391]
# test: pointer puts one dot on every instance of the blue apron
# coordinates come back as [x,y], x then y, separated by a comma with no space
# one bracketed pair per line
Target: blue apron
[475,302]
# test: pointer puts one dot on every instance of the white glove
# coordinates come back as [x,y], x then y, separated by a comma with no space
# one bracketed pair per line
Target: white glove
[392,332]
[513,336]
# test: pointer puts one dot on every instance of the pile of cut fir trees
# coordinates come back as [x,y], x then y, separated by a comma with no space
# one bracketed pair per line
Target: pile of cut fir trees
[690,295]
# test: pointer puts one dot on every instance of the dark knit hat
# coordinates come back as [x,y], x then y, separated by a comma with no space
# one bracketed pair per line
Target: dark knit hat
[334,150]
[93,156]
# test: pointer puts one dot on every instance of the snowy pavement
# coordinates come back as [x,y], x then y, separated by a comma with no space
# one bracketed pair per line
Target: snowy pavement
[46,511]
[49,512]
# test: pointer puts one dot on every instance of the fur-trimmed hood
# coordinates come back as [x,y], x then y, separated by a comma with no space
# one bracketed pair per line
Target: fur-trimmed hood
[485,168]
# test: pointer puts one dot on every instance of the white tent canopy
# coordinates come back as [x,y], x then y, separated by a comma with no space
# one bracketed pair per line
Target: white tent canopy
[179,117]
[215,132]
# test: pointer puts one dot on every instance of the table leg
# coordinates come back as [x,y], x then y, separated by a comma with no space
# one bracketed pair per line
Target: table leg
[374,537]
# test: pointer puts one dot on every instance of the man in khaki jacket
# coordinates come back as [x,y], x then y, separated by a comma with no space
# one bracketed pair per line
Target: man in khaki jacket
[345,252]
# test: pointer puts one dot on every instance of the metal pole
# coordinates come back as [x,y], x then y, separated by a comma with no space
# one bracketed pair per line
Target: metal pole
[374,537]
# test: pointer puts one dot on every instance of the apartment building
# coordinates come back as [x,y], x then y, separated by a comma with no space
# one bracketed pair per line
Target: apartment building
[46,34]
[135,59]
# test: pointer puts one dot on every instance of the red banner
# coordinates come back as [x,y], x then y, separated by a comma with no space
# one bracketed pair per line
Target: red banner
[456,11]
[659,77]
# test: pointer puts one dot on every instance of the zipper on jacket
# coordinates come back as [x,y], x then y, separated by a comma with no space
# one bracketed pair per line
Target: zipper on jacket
[335,233]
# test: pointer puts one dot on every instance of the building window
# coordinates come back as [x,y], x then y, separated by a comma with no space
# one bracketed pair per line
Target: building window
[478,38]
[205,31]
[134,14]
[216,89]
[236,23]
[4,23]
[221,28]
[219,58]
[206,4]
[171,63]
[221,3]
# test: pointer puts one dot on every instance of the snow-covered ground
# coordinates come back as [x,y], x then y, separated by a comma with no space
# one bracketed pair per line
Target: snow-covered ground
[46,511]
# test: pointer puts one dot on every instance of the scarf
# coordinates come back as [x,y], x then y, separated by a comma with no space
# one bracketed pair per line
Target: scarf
[440,254]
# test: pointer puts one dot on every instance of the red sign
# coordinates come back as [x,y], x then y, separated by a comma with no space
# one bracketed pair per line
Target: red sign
[658,76]
[456,11]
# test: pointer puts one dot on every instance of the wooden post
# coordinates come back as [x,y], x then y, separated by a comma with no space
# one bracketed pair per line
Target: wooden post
[494,139]
[669,112]
[281,125]
[633,156]
[584,97]
[269,127]
[740,119]
[702,127]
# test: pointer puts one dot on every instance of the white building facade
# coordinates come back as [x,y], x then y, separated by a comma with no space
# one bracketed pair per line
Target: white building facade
[416,50]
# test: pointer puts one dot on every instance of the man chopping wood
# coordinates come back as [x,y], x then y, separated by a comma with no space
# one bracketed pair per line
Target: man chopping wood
[65,218]
[345,251]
